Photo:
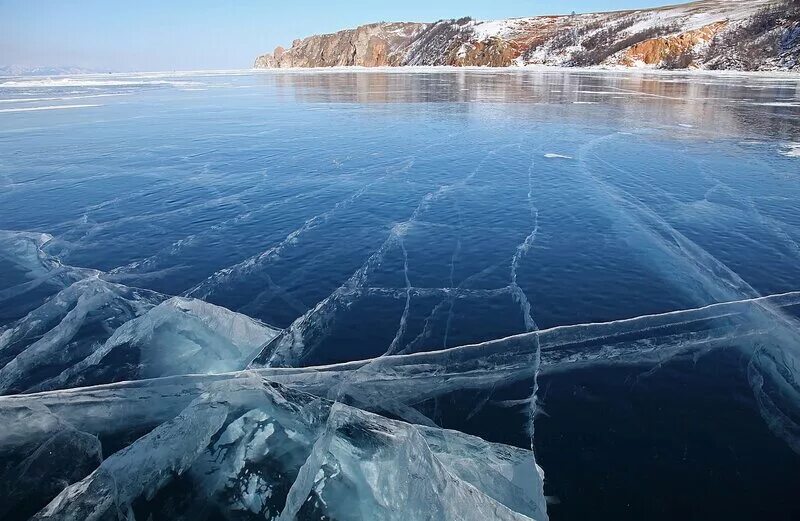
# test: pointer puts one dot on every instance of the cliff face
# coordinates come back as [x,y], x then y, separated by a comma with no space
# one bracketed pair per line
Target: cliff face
[719,34]
[370,45]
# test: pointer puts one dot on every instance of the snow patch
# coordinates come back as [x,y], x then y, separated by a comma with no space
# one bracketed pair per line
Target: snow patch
[791,150]
[87,82]
[494,29]
[49,107]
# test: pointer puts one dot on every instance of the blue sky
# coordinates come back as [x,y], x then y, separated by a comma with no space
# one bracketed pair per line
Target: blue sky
[150,35]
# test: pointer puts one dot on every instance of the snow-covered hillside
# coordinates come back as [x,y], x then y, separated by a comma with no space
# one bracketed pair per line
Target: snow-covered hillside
[716,34]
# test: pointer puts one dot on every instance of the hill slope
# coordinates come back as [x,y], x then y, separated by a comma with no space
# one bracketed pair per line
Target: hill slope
[713,34]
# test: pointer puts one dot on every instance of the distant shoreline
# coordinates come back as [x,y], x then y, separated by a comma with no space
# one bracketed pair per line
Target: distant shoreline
[528,68]
[422,69]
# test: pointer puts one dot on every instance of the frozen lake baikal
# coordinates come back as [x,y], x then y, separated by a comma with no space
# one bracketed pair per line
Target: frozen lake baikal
[428,294]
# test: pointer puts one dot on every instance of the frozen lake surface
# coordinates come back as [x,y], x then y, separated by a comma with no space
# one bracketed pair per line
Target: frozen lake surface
[347,294]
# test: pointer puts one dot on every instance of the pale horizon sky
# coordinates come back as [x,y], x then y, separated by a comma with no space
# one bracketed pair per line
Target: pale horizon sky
[153,35]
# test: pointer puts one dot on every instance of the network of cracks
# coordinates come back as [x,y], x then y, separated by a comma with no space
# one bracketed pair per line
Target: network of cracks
[122,402]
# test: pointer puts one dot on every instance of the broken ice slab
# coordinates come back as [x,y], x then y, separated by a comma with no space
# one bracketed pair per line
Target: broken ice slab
[111,411]
[141,468]
[28,274]
[179,336]
[390,470]
[43,472]
[263,450]
[65,329]
[97,332]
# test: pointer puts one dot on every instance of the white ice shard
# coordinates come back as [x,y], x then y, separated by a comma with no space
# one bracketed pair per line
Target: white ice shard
[179,336]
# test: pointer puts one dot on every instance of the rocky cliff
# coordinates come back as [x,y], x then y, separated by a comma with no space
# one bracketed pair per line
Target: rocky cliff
[714,34]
